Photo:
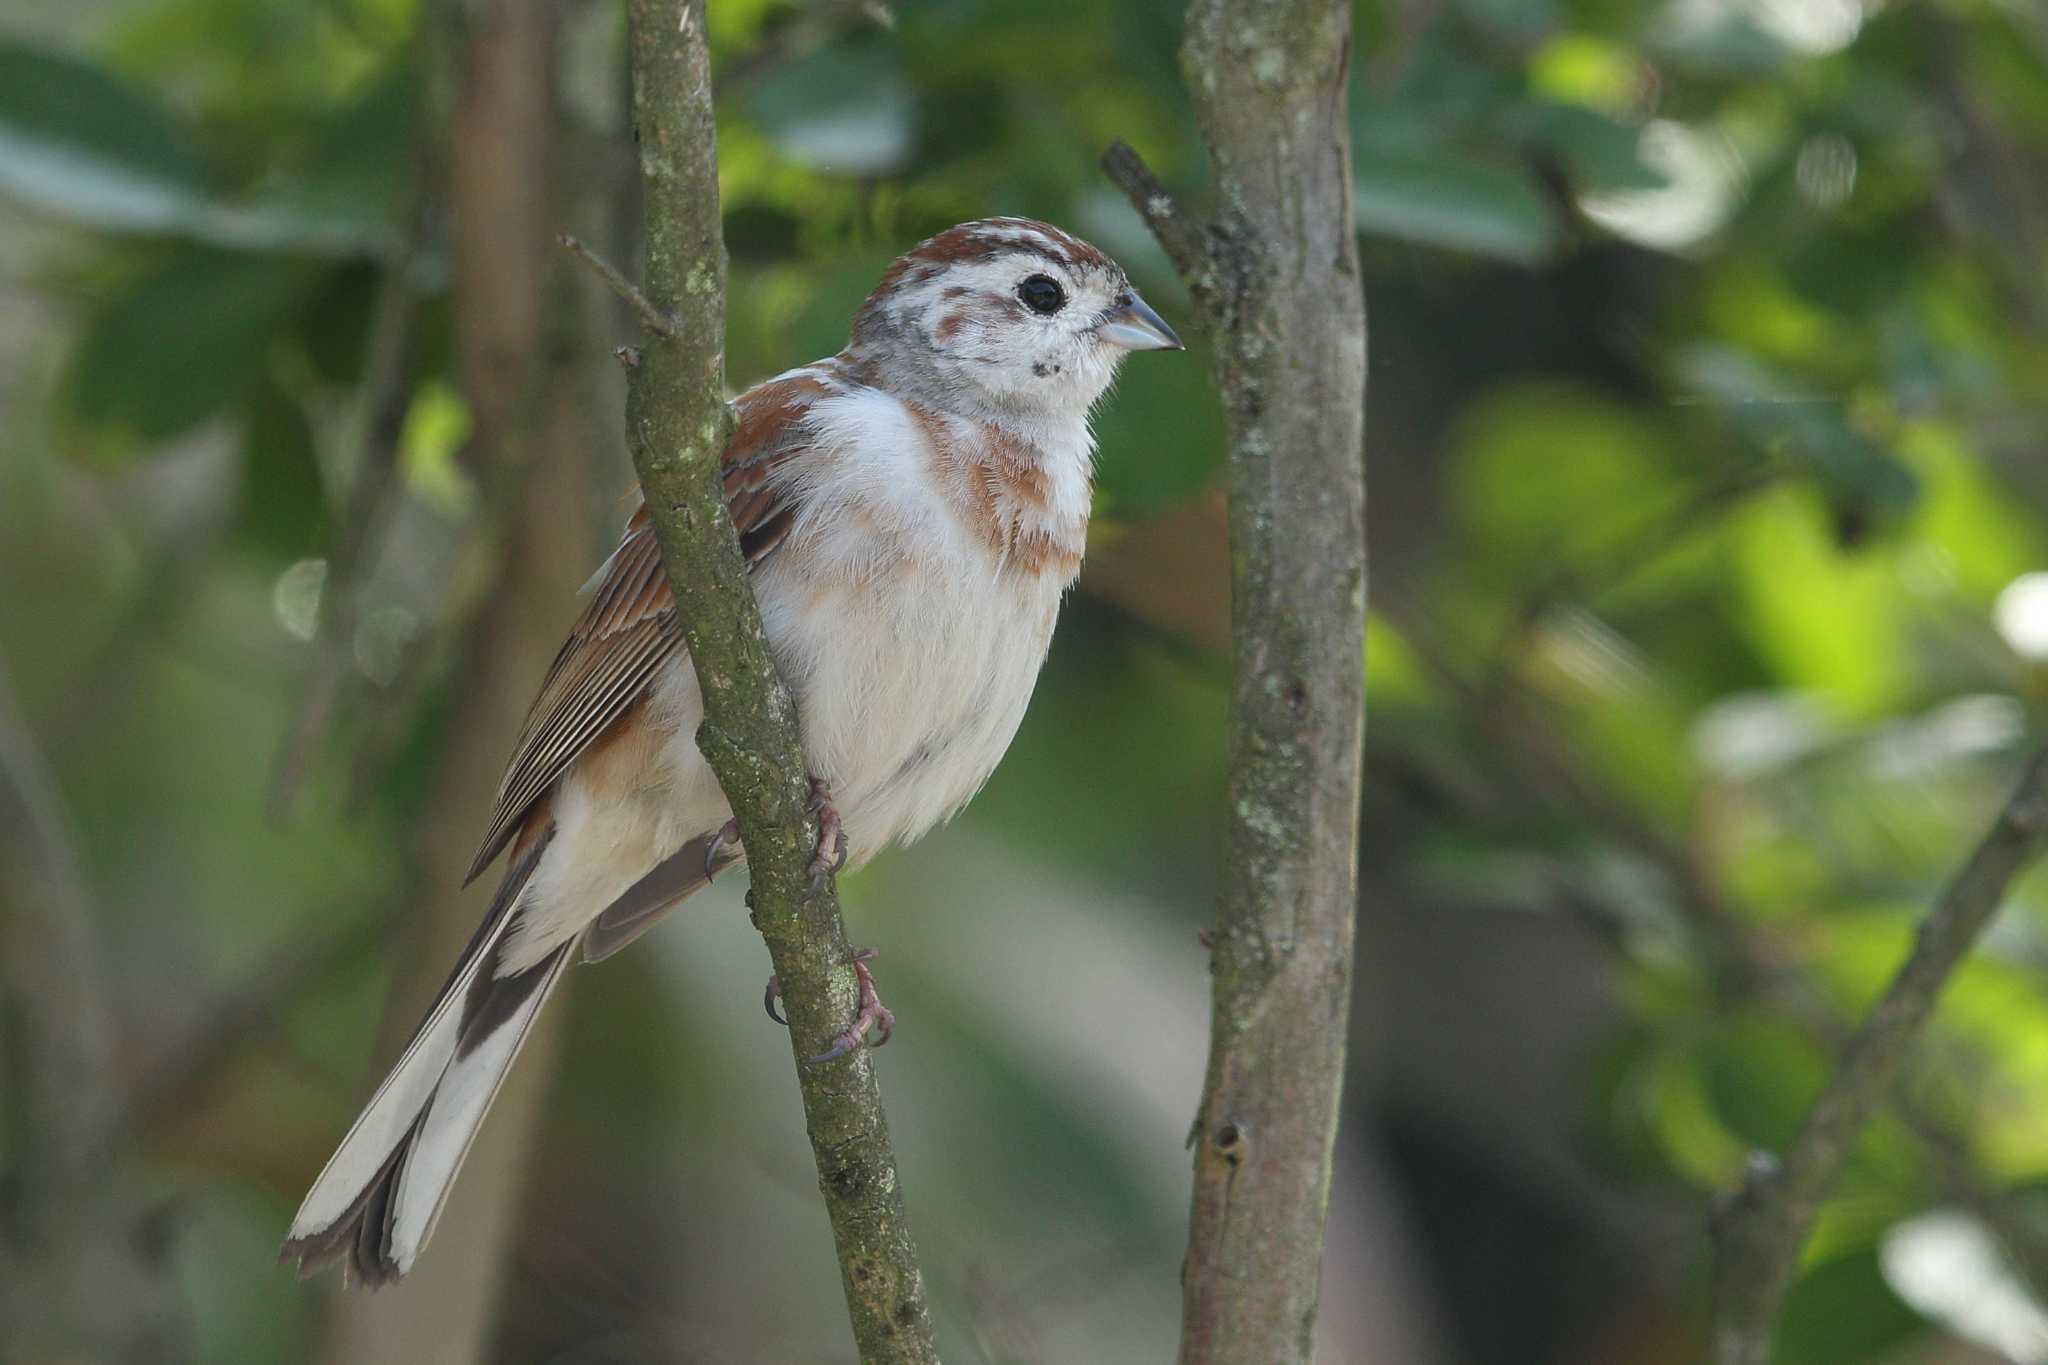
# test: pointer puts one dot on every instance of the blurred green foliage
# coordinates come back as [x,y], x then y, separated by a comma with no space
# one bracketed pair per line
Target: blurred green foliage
[1710,511]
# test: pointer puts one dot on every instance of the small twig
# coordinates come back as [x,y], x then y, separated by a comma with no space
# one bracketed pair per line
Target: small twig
[1743,961]
[662,324]
[1185,241]
[1759,1237]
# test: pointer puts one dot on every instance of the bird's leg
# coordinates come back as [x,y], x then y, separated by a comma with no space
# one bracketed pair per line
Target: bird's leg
[873,1013]
[831,851]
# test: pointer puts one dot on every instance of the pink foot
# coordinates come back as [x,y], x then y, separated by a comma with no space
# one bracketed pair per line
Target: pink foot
[831,852]
[873,1014]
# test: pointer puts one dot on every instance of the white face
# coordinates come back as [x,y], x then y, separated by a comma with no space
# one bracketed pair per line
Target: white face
[1008,313]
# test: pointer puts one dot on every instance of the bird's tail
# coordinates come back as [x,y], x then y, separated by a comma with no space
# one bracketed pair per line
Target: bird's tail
[378,1198]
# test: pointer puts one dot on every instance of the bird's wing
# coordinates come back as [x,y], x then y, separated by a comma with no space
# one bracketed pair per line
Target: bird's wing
[628,631]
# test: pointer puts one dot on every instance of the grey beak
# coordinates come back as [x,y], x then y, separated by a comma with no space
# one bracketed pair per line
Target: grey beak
[1133,325]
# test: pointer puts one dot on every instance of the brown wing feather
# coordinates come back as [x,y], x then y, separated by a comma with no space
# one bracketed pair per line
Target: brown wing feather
[628,630]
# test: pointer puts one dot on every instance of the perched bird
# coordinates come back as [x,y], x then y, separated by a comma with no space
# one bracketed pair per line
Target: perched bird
[913,509]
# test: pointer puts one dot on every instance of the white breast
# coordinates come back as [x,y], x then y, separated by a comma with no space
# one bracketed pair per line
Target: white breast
[912,647]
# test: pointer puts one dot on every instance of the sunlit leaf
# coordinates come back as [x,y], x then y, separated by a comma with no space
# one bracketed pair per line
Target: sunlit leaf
[1841,1310]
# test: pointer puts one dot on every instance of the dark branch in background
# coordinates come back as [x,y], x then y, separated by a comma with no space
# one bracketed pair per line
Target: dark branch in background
[79,1275]
[1276,280]
[1760,1235]
[387,394]
[677,425]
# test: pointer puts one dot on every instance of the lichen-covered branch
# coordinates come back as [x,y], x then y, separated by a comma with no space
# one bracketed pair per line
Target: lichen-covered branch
[1760,1235]
[678,424]
[1276,276]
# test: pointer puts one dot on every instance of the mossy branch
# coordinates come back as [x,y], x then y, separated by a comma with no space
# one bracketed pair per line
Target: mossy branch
[678,424]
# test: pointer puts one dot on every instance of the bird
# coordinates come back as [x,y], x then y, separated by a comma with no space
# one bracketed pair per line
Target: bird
[913,510]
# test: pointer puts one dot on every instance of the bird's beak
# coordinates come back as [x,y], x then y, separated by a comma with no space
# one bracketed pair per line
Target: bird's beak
[1133,325]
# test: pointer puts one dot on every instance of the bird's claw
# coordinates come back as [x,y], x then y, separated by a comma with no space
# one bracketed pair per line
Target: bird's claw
[728,833]
[873,1016]
[831,851]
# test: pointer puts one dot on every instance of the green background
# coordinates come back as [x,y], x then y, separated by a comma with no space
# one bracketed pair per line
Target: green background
[1708,458]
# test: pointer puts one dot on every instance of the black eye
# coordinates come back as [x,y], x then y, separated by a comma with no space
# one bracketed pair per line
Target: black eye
[1042,294]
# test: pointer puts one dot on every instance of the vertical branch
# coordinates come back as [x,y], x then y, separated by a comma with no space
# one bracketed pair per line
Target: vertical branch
[677,425]
[1758,1241]
[1277,276]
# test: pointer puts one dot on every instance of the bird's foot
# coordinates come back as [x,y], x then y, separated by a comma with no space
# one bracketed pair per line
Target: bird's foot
[830,855]
[873,1015]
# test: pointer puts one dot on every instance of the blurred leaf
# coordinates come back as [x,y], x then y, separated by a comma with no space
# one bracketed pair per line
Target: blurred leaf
[1550,479]
[845,109]
[1807,431]
[1825,618]
[283,498]
[334,323]
[1762,1075]
[1843,1310]
[78,141]
[184,343]
[345,199]
[1599,152]
[1457,202]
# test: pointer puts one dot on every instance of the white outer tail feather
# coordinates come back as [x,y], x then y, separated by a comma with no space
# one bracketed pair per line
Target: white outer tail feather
[455,1111]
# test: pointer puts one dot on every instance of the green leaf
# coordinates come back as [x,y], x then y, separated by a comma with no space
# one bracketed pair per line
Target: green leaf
[77,140]
[1458,202]
[185,343]
[847,110]
[1843,1309]
[283,498]
[1599,152]
[346,198]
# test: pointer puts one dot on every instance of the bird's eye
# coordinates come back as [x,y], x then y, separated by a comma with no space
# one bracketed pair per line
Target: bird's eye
[1042,294]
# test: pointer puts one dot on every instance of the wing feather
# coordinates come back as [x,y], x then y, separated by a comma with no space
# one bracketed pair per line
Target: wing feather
[627,633]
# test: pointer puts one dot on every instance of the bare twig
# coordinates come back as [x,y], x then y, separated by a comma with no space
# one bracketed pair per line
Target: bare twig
[1277,280]
[1760,1235]
[1185,241]
[677,425]
[656,321]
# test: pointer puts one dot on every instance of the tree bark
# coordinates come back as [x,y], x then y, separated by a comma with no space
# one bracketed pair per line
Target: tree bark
[677,426]
[1759,1237]
[1276,275]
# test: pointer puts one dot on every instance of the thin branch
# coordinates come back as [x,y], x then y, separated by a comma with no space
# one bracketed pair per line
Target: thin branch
[1743,960]
[677,425]
[1277,280]
[1760,1235]
[1185,241]
[656,321]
